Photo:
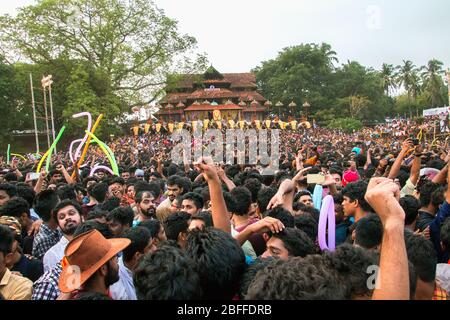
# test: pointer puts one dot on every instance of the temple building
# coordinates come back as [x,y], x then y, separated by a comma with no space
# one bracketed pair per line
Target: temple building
[212,95]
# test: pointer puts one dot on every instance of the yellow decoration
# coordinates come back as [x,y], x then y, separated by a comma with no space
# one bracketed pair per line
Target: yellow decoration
[241,124]
[158,127]
[258,124]
[146,128]
[219,125]
[180,125]
[170,126]
[194,125]
[268,123]
[231,122]
[217,115]
[205,124]
[294,125]
[136,130]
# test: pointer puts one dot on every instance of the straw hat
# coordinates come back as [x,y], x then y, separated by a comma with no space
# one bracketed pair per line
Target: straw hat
[88,252]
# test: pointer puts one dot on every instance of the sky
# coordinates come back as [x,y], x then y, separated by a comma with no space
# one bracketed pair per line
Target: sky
[237,35]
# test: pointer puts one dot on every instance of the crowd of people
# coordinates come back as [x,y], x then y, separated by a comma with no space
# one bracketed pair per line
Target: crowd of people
[206,230]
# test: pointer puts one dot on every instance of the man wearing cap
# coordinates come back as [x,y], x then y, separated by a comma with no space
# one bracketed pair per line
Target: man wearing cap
[90,264]
[12,286]
[139,174]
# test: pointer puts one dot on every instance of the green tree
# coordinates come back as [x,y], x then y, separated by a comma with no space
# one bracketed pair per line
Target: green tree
[408,77]
[300,73]
[388,75]
[126,47]
[433,83]
[345,124]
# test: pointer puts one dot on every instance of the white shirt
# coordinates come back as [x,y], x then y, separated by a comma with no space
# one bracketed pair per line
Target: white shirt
[124,288]
[55,254]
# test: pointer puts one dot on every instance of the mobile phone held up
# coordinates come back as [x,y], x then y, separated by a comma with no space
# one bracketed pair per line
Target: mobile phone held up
[33,176]
[315,178]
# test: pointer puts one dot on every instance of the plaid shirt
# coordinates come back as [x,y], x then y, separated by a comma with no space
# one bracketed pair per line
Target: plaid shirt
[44,240]
[46,287]
[440,294]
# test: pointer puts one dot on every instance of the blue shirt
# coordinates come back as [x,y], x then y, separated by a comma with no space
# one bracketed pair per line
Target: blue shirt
[435,231]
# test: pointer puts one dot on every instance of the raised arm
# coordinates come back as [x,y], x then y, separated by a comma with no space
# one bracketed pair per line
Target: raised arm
[268,224]
[407,144]
[218,207]
[441,177]
[40,181]
[368,160]
[66,175]
[228,182]
[393,275]
[284,196]
[415,168]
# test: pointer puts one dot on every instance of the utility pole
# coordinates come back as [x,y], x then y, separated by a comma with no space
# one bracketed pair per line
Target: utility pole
[47,82]
[34,114]
[46,116]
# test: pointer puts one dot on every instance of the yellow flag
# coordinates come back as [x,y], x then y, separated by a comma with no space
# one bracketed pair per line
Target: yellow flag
[268,122]
[205,124]
[282,125]
[241,124]
[146,128]
[294,124]
[258,124]
[158,127]
[231,122]
[194,125]
[170,126]
[219,124]
[180,125]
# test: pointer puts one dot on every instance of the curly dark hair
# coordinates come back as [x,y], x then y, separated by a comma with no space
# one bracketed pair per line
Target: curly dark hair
[221,259]
[175,224]
[307,224]
[264,196]
[167,274]
[352,265]
[369,231]
[296,242]
[243,200]
[297,278]
[281,214]
[422,255]
[411,207]
[356,191]
[250,273]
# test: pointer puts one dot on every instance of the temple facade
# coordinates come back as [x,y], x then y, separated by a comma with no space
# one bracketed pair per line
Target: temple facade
[213,95]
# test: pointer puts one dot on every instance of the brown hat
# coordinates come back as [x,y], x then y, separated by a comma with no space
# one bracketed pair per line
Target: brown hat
[88,252]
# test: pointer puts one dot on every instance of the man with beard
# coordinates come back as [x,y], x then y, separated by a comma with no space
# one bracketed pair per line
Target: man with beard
[174,189]
[145,205]
[96,260]
[68,216]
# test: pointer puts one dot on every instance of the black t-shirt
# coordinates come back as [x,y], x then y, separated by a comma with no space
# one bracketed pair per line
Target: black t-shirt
[27,243]
[424,220]
[32,269]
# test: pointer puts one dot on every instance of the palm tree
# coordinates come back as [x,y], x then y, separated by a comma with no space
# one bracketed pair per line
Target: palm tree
[432,81]
[388,77]
[409,78]
[329,54]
